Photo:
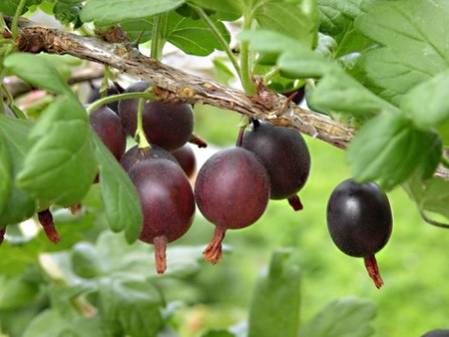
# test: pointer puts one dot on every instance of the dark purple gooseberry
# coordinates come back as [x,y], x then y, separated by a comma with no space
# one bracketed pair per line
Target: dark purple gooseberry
[108,127]
[113,90]
[186,158]
[232,191]
[437,333]
[167,204]
[168,125]
[285,156]
[360,222]
[136,155]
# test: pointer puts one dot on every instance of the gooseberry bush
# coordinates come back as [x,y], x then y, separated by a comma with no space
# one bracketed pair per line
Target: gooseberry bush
[117,162]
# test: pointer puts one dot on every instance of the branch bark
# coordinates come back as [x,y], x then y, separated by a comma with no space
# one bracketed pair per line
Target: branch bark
[177,85]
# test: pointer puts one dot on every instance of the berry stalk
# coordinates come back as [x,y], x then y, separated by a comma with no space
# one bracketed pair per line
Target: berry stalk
[198,141]
[46,220]
[213,251]
[373,271]
[140,133]
[160,247]
[295,202]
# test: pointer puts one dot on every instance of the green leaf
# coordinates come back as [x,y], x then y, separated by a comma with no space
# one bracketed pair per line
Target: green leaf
[337,20]
[295,58]
[15,258]
[326,46]
[414,43]
[120,259]
[389,149]
[85,261]
[346,317]
[131,308]
[120,199]
[191,36]
[37,71]
[228,10]
[62,298]
[9,7]
[68,11]
[194,37]
[352,41]
[60,167]
[297,19]
[276,300]
[113,11]
[5,172]
[337,15]
[19,206]
[113,258]
[222,73]
[266,41]
[303,65]
[431,196]
[51,324]
[16,292]
[427,103]
[339,93]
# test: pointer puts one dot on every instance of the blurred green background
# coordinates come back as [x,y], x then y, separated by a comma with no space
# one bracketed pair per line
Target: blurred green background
[414,264]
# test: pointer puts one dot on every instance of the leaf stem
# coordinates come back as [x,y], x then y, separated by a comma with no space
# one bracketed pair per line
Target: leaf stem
[3,26]
[140,136]
[18,112]
[114,98]
[15,21]
[244,122]
[105,82]
[155,38]
[247,82]
[5,94]
[220,38]
[270,75]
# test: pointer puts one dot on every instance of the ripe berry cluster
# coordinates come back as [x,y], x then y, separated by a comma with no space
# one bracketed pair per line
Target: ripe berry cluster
[233,187]
[159,171]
